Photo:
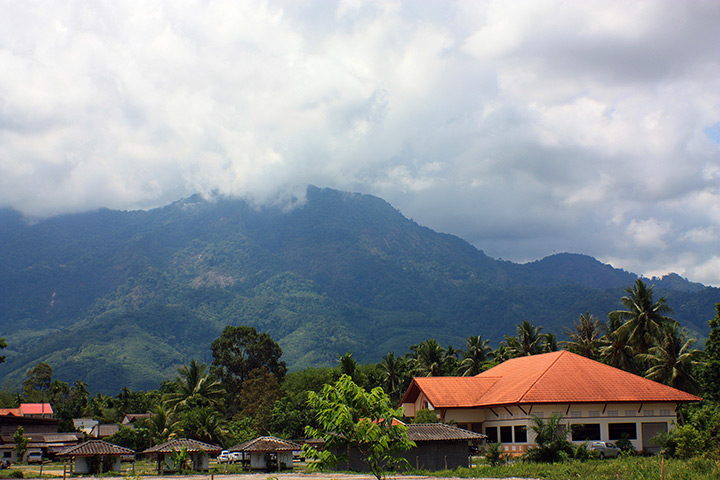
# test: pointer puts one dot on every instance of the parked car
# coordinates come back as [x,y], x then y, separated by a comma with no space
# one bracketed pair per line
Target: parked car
[227,456]
[604,449]
[34,457]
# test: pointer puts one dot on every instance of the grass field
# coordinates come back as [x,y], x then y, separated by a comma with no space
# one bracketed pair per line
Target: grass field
[629,468]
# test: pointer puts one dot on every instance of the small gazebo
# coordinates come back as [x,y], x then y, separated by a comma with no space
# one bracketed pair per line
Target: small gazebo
[85,456]
[268,453]
[199,453]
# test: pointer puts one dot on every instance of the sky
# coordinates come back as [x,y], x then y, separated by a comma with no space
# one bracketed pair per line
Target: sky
[525,127]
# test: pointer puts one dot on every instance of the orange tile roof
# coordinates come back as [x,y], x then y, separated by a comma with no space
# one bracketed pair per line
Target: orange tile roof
[36,408]
[557,377]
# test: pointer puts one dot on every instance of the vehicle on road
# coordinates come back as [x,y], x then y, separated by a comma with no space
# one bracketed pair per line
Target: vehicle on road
[604,449]
[227,456]
[34,457]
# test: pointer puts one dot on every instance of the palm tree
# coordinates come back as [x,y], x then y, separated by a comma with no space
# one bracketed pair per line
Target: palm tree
[476,356]
[585,340]
[616,350]
[347,365]
[643,319]
[205,424]
[162,428]
[529,341]
[193,388]
[430,359]
[393,372]
[673,361]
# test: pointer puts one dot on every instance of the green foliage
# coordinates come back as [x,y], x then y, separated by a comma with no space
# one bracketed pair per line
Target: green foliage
[194,388]
[494,454]
[137,438]
[625,445]
[203,423]
[689,441]
[179,460]
[425,415]
[709,377]
[21,442]
[551,439]
[351,419]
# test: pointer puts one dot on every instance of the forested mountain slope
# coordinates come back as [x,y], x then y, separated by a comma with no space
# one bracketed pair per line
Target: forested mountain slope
[121,298]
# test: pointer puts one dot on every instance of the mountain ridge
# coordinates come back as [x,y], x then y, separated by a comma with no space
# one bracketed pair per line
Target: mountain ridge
[102,291]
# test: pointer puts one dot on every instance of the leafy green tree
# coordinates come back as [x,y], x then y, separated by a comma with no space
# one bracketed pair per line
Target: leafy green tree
[350,418]
[36,386]
[347,365]
[709,376]
[161,425]
[241,350]
[291,414]
[425,415]
[672,361]
[194,388]
[21,442]
[585,340]
[476,357]
[3,345]
[257,398]
[136,438]
[551,439]
[643,318]
[179,460]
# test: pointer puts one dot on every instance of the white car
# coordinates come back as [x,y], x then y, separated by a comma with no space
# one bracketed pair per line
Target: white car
[225,457]
[605,449]
[34,457]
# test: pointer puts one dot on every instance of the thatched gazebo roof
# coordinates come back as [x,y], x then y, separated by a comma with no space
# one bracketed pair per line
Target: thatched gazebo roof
[192,446]
[266,444]
[95,447]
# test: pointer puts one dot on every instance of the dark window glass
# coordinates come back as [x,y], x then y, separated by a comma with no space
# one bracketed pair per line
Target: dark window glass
[585,431]
[520,434]
[506,434]
[491,433]
[616,431]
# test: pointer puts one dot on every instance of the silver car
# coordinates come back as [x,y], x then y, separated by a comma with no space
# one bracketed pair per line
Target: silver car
[604,449]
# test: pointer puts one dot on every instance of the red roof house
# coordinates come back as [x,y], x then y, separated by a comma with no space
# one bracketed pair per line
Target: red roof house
[38,410]
[598,401]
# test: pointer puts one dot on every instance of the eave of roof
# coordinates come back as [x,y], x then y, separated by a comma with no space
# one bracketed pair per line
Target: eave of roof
[178,443]
[429,432]
[95,447]
[266,444]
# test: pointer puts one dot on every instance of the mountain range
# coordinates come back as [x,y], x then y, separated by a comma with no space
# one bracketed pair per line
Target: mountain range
[122,298]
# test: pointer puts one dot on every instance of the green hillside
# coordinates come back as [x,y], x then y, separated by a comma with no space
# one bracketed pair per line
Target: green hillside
[122,298]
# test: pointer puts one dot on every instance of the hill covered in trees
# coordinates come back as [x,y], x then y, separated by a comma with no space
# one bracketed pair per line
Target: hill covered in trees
[119,298]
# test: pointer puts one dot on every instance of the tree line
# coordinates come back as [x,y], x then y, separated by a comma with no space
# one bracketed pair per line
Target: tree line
[247,391]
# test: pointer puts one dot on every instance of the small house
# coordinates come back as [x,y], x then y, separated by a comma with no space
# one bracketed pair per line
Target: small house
[268,453]
[95,456]
[199,453]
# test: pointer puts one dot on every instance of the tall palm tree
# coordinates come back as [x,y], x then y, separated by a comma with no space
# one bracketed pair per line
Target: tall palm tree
[430,359]
[347,365]
[673,360]
[529,341]
[205,424]
[194,388]
[476,356]
[162,427]
[615,349]
[643,319]
[393,372]
[585,340]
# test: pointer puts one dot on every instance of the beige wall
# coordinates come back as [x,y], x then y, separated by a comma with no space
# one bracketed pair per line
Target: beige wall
[597,414]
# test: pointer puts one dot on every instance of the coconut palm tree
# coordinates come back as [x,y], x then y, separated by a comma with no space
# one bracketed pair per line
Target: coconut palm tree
[476,356]
[162,427]
[643,319]
[615,349]
[393,373]
[205,424]
[194,388]
[529,341]
[673,360]
[585,340]
[430,359]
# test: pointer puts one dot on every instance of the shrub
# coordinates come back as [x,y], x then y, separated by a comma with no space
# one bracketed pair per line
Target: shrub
[494,455]
[553,445]
[689,441]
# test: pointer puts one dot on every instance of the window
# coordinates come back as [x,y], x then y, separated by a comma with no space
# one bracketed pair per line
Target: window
[665,413]
[506,434]
[7,454]
[492,435]
[585,431]
[617,430]
[576,413]
[612,413]
[594,413]
[520,434]
[649,413]
[629,413]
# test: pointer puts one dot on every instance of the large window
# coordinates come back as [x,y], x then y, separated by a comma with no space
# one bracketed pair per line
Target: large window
[506,435]
[520,434]
[616,431]
[585,431]
[492,435]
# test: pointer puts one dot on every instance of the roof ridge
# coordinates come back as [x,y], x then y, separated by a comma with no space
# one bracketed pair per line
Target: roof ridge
[539,377]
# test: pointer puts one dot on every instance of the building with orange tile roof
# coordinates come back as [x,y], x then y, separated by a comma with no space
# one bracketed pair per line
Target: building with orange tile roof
[597,401]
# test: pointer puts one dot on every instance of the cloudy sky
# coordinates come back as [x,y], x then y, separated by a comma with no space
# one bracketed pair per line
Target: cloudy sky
[525,127]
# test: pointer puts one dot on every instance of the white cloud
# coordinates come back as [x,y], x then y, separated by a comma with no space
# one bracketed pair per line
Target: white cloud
[526,127]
